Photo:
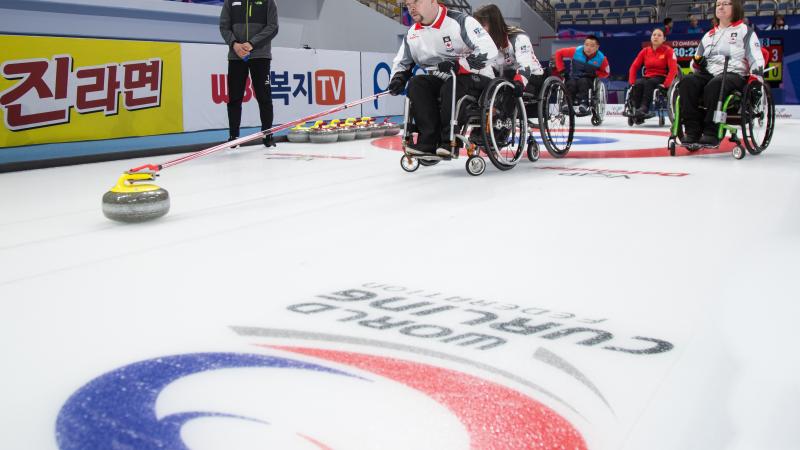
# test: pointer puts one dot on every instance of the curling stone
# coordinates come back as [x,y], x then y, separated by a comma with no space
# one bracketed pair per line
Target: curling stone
[133,201]
[298,134]
[363,131]
[346,133]
[390,128]
[376,130]
[323,135]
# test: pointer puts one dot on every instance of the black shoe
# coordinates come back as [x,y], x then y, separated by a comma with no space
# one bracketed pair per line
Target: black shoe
[639,120]
[709,140]
[269,141]
[420,149]
[233,138]
[641,111]
[583,109]
[690,138]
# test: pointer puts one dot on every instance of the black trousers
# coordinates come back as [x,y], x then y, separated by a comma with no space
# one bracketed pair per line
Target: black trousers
[703,89]
[642,91]
[578,88]
[431,98]
[258,69]
[534,87]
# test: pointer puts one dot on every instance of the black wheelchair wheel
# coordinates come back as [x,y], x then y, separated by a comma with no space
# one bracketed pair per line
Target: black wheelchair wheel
[599,102]
[504,124]
[758,117]
[556,118]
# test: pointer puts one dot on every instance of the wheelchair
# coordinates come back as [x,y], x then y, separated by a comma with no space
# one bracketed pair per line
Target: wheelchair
[752,109]
[499,118]
[660,107]
[555,118]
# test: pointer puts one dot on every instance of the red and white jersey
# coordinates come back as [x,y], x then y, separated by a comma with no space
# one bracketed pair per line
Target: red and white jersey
[739,42]
[453,36]
[518,55]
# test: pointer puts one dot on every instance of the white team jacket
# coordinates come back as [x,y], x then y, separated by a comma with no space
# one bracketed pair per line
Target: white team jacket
[740,42]
[454,35]
[518,55]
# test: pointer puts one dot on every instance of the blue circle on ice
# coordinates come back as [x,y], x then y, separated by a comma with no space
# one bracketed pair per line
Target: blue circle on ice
[582,139]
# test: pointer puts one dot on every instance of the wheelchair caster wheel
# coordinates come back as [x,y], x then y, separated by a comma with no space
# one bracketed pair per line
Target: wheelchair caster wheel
[533,150]
[596,121]
[671,145]
[408,163]
[738,152]
[630,121]
[475,165]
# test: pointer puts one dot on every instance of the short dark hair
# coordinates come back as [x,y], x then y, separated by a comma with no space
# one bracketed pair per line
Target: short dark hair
[490,15]
[592,37]
[659,29]
[667,21]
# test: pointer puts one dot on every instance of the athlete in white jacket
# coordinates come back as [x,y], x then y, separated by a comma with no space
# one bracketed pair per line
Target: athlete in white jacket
[731,38]
[515,59]
[438,41]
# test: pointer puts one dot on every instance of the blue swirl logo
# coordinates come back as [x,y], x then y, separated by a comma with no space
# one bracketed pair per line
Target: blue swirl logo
[117,410]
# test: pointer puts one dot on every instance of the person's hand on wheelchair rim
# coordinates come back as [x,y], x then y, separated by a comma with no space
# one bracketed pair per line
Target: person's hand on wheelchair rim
[446,66]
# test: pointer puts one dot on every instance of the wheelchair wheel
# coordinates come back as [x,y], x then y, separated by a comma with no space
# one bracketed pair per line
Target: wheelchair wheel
[556,118]
[672,99]
[504,124]
[409,164]
[628,107]
[475,165]
[758,117]
[599,102]
[533,149]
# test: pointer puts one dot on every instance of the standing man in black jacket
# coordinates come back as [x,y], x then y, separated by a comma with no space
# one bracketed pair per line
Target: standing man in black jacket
[248,27]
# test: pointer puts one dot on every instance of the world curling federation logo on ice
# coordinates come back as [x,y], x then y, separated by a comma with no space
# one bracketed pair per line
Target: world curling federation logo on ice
[303,398]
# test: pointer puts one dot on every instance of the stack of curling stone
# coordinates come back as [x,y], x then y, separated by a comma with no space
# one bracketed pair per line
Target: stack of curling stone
[300,132]
[323,134]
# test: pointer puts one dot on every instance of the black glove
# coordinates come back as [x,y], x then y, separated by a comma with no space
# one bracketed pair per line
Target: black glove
[519,88]
[397,85]
[478,61]
[700,61]
[446,66]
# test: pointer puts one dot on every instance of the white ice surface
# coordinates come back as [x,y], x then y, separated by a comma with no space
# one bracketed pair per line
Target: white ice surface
[706,261]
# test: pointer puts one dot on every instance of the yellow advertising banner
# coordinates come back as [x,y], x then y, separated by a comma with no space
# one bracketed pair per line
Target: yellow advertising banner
[68,89]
